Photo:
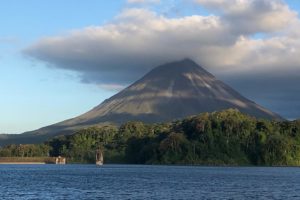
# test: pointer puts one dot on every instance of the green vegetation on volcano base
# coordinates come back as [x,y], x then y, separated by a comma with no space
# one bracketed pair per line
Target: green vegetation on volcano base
[220,138]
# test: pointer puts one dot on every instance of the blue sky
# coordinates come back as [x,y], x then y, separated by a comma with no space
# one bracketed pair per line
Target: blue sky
[35,93]
[33,96]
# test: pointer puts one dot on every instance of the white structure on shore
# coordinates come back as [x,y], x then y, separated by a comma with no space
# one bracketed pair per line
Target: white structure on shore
[60,160]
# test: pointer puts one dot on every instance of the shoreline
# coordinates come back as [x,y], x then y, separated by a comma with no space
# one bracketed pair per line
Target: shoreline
[157,165]
[27,160]
[22,163]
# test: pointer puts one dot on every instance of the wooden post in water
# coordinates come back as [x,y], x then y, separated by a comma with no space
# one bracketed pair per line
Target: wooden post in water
[99,157]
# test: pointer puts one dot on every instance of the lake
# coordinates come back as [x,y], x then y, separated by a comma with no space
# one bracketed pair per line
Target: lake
[147,182]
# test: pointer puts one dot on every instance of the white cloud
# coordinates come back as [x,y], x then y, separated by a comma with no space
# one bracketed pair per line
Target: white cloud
[251,16]
[137,40]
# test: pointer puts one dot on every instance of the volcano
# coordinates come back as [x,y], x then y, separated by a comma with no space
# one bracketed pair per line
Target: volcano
[171,91]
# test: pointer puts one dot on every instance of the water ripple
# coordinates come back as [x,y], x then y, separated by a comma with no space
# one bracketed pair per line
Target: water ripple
[147,182]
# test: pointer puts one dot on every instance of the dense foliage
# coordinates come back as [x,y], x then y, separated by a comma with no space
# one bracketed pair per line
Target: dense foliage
[220,138]
[25,150]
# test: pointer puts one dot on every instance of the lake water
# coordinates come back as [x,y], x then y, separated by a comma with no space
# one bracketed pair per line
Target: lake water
[147,182]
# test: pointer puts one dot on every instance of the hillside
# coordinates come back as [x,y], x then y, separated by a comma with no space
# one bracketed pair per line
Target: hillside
[219,138]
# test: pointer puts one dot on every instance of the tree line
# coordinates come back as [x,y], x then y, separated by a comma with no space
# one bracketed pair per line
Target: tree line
[219,138]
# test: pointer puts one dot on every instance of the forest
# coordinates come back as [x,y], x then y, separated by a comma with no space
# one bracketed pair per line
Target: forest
[219,138]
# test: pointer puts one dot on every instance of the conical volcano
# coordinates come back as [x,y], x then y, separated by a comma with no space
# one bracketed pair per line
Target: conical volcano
[170,91]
